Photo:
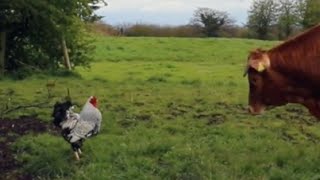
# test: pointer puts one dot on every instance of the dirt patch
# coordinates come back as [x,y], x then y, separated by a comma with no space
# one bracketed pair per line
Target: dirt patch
[176,109]
[212,118]
[10,131]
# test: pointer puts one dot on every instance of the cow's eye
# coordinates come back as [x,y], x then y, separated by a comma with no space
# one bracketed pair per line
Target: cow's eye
[254,81]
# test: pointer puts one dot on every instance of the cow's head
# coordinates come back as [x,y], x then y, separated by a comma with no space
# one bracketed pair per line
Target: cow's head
[264,85]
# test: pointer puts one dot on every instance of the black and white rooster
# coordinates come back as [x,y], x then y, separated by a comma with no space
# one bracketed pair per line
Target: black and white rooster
[75,128]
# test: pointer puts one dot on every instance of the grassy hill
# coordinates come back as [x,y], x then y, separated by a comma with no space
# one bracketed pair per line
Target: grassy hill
[173,108]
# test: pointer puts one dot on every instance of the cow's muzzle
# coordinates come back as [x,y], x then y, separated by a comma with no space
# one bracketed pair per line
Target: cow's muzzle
[256,110]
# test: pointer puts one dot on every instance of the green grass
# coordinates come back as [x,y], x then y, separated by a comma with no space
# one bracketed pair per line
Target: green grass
[173,108]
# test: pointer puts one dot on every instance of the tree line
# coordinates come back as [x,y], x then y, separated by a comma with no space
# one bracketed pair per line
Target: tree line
[37,35]
[267,20]
[279,19]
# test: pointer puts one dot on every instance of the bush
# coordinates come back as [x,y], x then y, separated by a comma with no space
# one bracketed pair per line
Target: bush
[103,29]
[161,31]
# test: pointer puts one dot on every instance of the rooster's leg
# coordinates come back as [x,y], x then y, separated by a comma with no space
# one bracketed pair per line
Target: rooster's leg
[79,151]
[76,148]
[76,155]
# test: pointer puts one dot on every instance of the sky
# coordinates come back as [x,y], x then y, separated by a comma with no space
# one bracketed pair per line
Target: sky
[168,12]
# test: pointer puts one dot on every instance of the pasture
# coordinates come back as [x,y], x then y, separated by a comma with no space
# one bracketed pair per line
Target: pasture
[173,108]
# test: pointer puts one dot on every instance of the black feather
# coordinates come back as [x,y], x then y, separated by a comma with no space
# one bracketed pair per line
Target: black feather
[59,114]
[60,111]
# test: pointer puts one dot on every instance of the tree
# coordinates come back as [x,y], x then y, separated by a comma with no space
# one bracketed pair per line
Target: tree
[262,17]
[210,21]
[288,16]
[35,31]
[310,13]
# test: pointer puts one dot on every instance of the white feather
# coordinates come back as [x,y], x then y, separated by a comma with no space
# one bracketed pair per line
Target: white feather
[71,120]
[83,125]
[92,115]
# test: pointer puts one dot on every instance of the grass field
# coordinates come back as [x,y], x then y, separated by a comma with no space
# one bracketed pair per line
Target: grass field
[173,108]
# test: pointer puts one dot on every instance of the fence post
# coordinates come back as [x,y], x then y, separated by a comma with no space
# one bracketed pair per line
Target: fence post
[66,55]
[2,51]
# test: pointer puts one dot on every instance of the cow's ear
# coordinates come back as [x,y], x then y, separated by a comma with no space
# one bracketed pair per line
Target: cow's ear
[260,64]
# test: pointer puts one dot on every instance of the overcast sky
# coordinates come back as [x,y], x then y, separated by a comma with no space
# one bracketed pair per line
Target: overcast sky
[168,12]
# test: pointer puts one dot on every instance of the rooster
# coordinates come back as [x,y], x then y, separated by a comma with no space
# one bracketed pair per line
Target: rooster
[76,127]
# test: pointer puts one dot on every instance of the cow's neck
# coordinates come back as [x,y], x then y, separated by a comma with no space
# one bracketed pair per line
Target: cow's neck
[300,53]
[305,71]
[297,84]
[297,62]
[313,105]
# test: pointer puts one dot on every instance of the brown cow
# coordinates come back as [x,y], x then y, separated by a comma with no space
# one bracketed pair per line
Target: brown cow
[287,73]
